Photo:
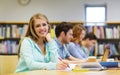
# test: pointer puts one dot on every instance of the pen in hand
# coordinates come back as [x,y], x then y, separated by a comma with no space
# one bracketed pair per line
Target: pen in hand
[63,61]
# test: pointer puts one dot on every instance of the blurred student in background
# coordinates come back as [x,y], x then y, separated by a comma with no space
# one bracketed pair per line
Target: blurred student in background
[38,51]
[88,43]
[64,34]
[74,46]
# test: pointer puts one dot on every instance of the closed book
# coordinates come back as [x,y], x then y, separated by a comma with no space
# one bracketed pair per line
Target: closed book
[110,64]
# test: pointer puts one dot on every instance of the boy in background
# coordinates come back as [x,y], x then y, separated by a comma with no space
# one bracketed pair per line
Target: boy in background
[88,43]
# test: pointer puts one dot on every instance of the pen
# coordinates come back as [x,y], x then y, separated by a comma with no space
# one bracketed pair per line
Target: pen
[62,61]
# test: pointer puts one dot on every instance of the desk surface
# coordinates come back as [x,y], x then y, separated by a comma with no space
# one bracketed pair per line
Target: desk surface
[56,72]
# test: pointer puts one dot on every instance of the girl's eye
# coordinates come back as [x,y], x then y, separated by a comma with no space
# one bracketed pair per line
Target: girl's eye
[37,25]
[44,24]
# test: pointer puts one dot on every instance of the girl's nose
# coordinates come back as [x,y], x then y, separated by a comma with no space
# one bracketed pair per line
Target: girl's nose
[41,27]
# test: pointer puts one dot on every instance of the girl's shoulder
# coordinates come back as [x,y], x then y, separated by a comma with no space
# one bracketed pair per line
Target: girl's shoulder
[71,43]
[27,39]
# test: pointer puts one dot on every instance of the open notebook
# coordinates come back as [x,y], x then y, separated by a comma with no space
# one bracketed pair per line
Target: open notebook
[93,66]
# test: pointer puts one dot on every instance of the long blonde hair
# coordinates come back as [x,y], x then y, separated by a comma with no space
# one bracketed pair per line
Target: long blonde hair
[31,30]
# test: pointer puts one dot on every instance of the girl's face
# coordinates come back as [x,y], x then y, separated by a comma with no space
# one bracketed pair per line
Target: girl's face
[82,35]
[41,27]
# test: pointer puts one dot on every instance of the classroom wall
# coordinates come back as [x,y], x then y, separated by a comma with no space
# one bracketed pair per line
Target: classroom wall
[55,10]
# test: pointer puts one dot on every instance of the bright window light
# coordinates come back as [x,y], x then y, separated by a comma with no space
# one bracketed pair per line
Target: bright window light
[95,15]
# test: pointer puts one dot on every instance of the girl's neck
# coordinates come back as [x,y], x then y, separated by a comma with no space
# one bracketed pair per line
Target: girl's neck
[40,41]
[77,41]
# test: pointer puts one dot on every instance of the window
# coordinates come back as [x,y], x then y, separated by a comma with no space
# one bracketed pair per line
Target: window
[95,14]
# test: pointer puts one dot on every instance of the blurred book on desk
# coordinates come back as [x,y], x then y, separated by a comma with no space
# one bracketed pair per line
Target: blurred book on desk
[110,64]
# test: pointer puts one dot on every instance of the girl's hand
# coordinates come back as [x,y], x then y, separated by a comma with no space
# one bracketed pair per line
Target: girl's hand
[62,65]
[48,37]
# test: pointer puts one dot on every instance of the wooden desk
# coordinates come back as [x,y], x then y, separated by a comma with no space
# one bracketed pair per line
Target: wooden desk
[8,63]
[56,72]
